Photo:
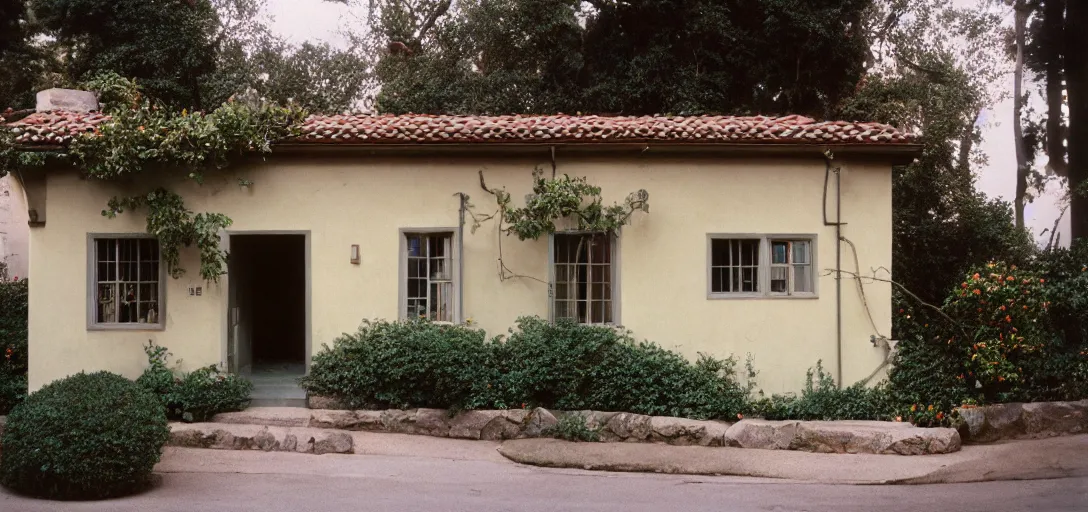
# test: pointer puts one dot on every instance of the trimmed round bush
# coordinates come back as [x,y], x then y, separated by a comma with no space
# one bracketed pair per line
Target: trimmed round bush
[89,436]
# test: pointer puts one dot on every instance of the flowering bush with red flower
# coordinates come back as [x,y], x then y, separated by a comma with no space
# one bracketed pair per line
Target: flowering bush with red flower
[1004,324]
[13,343]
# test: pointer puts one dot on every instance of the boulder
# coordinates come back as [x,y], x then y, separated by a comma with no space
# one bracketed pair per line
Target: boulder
[595,420]
[335,442]
[489,424]
[1022,420]
[346,420]
[763,434]
[1049,419]
[877,437]
[539,422]
[431,422]
[626,426]
[71,100]
[685,432]
[253,437]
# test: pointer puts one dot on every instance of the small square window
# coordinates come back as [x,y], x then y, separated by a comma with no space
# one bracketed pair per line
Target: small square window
[734,266]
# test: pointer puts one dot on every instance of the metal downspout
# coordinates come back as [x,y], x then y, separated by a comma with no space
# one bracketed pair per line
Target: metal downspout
[828,156]
[461,260]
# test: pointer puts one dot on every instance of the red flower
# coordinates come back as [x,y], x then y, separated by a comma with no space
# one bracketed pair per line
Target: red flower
[1008,318]
[975,277]
[740,416]
[978,292]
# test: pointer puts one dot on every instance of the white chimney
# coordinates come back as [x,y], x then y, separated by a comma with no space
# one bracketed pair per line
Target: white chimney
[70,100]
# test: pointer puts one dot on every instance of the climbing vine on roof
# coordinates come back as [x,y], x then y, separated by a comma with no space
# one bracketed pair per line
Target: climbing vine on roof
[143,136]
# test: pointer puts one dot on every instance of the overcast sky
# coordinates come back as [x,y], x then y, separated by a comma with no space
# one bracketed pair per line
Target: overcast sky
[301,20]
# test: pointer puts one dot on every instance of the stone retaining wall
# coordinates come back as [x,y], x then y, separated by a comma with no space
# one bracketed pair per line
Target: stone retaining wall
[873,437]
[1034,420]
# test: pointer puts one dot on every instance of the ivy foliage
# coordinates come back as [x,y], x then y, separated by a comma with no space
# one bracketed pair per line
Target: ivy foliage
[175,226]
[562,197]
[144,136]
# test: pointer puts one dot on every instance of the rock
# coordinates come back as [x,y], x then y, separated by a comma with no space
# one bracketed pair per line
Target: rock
[1049,419]
[626,426]
[595,420]
[333,442]
[324,402]
[685,432]
[490,425]
[70,100]
[396,420]
[540,420]
[842,437]
[764,434]
[432,422]
[254,437]
[507,425]
[1022,421]
[346,420]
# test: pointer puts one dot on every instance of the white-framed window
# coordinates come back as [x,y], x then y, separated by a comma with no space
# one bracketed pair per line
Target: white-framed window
[584,277]
[430,275]
[760,265]
[125,278]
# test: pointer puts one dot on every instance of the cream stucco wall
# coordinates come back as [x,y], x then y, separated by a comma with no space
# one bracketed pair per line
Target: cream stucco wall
[367,200]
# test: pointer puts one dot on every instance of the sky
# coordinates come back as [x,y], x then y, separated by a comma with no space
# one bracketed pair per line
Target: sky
[301,20]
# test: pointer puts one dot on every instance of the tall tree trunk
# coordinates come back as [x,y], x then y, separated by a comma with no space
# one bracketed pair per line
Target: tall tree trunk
[1053,39]
[1076,76]
[967,143]
[1017,107]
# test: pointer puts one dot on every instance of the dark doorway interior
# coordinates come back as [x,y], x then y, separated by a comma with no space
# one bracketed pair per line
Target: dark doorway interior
[268,274]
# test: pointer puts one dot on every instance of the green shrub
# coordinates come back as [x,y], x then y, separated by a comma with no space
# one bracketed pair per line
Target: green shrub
[87,436]
[572,427]
[13,343]
[821,399]
[196,396]
[412,363]
[565,366]
[568,366]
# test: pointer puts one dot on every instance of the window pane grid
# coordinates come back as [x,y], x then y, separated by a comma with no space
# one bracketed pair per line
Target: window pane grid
[582,273]
[734,265]
[430,277]
[127,280]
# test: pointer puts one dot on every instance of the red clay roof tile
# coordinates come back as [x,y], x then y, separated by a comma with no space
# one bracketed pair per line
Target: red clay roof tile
[57,128]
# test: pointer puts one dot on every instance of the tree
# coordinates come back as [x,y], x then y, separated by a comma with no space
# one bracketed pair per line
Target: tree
[168,45]
[637,57]
[1076,75]
[20,58]
[1021,11]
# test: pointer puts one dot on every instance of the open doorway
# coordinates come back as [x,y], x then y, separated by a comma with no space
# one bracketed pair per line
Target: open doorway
[267,329]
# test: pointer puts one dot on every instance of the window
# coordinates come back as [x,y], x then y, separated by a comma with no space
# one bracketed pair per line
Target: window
[734,266]
[429,280]
[760,266]
[583,275]
[791,268]
[126,288]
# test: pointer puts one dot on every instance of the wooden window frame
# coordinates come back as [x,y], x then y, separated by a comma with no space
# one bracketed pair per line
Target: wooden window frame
[764,286]
[614,265]
[92,287]
[454,259]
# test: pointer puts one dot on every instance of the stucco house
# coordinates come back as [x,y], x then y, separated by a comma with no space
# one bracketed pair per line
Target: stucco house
[363,217]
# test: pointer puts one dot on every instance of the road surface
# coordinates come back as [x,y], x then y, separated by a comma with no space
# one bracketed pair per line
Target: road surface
[206,480]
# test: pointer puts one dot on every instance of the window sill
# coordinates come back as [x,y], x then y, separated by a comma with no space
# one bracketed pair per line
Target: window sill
[126,327]
[759,296]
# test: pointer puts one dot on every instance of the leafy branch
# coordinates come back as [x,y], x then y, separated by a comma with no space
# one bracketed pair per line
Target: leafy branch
[562,197]
[175,226]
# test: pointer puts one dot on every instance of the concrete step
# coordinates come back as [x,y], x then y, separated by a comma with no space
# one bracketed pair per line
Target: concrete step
[229,436]
[292,403]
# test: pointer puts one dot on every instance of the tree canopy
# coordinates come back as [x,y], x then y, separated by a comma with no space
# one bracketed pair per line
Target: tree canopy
[636,57]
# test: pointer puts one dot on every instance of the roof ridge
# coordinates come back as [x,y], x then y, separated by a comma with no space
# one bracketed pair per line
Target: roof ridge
[58,128]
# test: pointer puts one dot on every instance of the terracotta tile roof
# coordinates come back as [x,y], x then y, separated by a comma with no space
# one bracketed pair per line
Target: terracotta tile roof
[55,128]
